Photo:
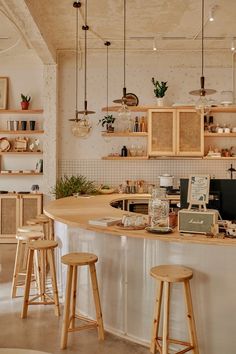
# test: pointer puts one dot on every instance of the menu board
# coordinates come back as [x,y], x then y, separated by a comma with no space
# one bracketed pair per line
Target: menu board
[198,189]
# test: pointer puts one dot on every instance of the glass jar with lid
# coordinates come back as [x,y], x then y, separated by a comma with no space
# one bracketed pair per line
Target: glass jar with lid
[158,209]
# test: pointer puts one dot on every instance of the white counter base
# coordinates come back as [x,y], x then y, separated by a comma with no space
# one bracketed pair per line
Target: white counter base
[127,290]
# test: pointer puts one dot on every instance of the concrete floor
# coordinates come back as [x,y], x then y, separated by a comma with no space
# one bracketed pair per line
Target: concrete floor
[41,329]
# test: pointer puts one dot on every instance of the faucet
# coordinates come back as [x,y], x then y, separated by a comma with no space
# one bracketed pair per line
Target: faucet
[231,170]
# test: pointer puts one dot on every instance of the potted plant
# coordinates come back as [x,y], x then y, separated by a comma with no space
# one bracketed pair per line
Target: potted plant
[108,120]
[67,186]
[159,90]
[25,100]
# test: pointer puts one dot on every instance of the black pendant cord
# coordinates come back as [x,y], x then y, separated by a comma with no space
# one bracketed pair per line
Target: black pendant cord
[124,93]
[76,5]
[107,44]
[85,58]
[202,36]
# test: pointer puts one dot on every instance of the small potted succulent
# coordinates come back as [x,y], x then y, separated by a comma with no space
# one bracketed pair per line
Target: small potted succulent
[107,121]
[160,90]
[25,100]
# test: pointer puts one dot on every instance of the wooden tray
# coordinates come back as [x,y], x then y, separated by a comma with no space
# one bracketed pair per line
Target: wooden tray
[121,226]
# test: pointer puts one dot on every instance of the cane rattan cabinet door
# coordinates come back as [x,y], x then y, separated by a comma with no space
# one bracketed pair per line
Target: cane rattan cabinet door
[9,215]
[161,132]
[190,133]
[30,206]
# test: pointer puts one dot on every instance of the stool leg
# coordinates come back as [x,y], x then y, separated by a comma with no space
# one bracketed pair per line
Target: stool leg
[156,321]
[66,319]
[190,316]
[16,268]
[37,272]
[27,284]
[42,273]
[73,297]
[50,254]
[97,300]
[166,318]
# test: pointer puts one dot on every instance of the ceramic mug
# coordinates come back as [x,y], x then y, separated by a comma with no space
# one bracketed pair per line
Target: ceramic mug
[32,124]
[23,124]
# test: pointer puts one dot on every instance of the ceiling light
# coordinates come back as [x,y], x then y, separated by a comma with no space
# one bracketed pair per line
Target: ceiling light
[81,126]
[154,47]
[211,15]
[232,45]
[202,103]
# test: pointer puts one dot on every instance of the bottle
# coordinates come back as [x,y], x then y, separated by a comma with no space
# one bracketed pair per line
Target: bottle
[124,151]
[136,125]
[143,125]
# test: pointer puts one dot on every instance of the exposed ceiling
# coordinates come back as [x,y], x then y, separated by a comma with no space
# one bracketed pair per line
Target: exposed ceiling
[175,24]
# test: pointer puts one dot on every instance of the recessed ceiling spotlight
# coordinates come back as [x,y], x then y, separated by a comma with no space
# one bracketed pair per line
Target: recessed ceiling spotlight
[211,15]
[154,47]
[232,45]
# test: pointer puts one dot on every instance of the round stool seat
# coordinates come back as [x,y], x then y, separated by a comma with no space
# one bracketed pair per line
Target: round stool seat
[31,235]
[30,228]
[80,258]
[42,217]
[171,273]
[42,244]
[35,221]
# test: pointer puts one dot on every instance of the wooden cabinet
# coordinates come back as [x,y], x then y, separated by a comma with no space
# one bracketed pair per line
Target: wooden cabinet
[15,210]
[175,132]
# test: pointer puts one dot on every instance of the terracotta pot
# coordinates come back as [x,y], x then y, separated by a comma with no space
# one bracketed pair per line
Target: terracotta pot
[24,105]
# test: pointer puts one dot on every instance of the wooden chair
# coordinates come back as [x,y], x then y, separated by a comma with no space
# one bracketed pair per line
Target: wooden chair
[167,275]
[73,261]
[44,248]
[19,272]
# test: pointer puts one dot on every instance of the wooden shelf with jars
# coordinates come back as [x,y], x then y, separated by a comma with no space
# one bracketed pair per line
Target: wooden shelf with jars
[21,152]
[219,135]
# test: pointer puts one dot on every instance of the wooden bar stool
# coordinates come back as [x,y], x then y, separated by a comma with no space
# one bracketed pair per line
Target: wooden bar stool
[167,275]
[45,222]
[23,239]
[74,260]
[44,248]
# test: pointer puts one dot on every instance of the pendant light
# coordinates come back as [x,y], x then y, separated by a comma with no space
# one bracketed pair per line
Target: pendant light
[202,105]
[81,126]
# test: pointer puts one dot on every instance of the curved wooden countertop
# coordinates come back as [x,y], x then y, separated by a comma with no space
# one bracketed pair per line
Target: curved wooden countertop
[77,211]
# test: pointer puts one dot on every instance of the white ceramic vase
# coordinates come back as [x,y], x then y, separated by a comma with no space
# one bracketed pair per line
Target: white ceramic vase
[160,101]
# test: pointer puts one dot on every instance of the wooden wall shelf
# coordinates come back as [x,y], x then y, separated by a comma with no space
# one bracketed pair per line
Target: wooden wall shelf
[21,152]
[125,134]
[223,109]
[220,135]
[17,132]
[21,111]
[21,174]
[125,158]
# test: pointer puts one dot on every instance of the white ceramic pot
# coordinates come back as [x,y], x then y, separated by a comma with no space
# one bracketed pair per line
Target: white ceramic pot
[160,101]
[166,180]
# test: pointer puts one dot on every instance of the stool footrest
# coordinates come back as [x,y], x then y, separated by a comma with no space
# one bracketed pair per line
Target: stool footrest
[89,323]
[176,341]
[32,301]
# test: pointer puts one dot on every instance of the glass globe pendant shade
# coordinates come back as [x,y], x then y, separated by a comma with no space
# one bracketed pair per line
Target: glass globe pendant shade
[202,105]
[124,116]
[81,127]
